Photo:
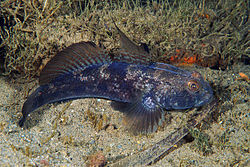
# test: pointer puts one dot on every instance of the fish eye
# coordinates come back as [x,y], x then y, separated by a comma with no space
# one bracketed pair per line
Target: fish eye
[193,86]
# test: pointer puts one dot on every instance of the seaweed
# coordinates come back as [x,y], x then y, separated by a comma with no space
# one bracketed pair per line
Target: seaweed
[201,141]
[33,31]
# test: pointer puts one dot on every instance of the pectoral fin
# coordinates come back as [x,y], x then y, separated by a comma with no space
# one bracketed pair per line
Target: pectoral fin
[142,116]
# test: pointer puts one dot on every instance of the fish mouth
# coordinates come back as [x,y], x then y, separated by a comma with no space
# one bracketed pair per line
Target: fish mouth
[205,98]
[208,98]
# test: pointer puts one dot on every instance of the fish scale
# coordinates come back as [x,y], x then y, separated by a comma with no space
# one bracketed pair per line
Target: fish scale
[139,88]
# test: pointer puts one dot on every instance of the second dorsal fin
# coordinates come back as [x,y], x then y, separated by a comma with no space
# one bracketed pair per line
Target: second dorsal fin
[73,58]
[130,52]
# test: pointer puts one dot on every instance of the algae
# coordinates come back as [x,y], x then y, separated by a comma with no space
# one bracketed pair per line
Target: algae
[34,31]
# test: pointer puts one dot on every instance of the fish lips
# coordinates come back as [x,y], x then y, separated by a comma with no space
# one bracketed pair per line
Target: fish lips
[205,97]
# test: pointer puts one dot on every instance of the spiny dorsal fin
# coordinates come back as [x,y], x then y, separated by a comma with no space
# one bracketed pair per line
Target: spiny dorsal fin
[73,58]
[130,52]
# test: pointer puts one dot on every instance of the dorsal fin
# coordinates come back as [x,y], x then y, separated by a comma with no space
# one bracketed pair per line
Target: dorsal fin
[73,58]
[130,52]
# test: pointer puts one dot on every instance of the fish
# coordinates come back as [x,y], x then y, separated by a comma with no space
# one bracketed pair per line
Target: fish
[141,89]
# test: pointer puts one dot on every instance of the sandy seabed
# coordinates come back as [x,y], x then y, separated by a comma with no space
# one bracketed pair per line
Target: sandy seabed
[53,136]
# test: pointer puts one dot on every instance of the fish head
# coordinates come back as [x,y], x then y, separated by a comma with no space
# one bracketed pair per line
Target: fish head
[188,91]
[200,89]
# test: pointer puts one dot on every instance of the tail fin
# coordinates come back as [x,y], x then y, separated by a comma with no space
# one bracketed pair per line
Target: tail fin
[34,101]
[27,108]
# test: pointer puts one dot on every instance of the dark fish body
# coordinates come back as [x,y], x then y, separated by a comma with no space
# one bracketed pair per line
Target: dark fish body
[140,89]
